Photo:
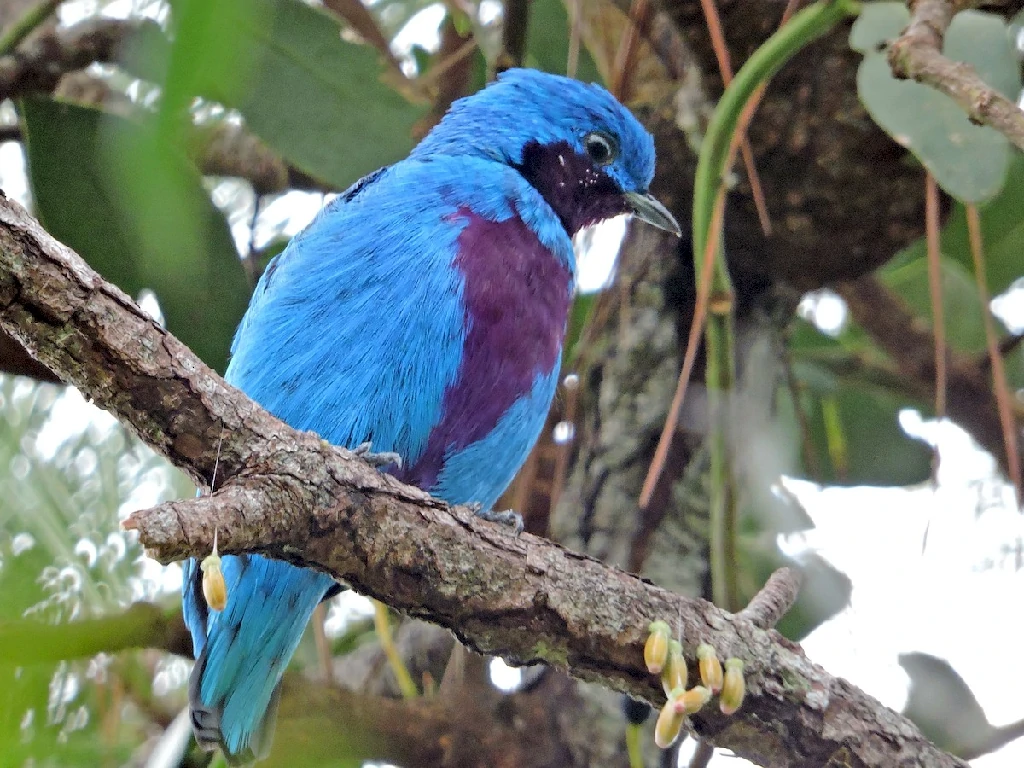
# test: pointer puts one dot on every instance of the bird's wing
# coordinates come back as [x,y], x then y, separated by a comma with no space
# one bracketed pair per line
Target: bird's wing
[356,329]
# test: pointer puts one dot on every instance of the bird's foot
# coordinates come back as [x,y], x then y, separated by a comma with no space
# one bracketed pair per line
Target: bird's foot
[508,517]
[377,460]
[664,656]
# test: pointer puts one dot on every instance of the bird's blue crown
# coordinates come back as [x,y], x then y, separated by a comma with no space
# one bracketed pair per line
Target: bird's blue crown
[526,107]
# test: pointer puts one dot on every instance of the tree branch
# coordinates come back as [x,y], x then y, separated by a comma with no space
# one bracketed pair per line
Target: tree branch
[293,496]
[917,55]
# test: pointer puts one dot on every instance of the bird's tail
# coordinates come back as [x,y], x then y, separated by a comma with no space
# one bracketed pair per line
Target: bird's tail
[233,689]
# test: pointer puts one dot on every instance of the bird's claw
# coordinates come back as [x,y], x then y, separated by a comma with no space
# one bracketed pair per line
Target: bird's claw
[664,656]
[377,460]
[206,727]
[508,517]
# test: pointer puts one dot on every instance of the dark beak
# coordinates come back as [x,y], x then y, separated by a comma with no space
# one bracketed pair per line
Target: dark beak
[648,209]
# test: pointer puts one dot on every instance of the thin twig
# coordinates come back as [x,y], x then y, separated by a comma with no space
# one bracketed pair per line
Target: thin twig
[637,21]
[721,49]
[999,383]
[788,12]
[323,644]
[931,215]
[363,22]
[575,32]
[382,625]
[692,344]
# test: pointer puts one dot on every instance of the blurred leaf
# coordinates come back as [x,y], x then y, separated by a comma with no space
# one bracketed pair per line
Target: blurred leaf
[137,211]
[602,23]
[582,307]
[62,555]
[318,100]
[852,415]
[547,42]
[968,160]
[965,329]
[942,705]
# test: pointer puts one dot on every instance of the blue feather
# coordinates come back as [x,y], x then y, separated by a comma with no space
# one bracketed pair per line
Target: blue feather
[423,311]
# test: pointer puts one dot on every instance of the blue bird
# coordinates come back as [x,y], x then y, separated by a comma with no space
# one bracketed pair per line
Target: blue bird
[422,311]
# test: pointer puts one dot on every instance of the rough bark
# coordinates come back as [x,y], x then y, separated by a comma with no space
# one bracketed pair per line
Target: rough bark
[291,495]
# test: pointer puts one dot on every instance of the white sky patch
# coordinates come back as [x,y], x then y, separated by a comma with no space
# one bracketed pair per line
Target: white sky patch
[423,29]
[286,215]
[825,309]
[489,12]
[13,179]
[504,677]
[597,250]
[1009,306]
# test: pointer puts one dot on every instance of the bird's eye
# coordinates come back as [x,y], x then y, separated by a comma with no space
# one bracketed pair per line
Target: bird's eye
[602,148]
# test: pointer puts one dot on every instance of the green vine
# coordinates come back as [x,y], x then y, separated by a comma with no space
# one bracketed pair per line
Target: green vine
[804,28]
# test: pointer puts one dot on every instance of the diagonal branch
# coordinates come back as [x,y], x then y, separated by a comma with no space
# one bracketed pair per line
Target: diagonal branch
[917,54]
[293,496]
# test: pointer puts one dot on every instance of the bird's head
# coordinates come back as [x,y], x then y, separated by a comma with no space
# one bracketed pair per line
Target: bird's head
[585,153]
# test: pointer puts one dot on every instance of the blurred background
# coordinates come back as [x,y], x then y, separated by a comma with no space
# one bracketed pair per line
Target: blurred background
[178,145]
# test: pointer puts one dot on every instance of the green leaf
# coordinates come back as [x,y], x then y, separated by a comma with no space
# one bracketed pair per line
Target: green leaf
[547,42]
[318,100]
[964,321]
[857,439]
[137,211]
[852,415]
[877,24]
[968,161]
[582,307]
